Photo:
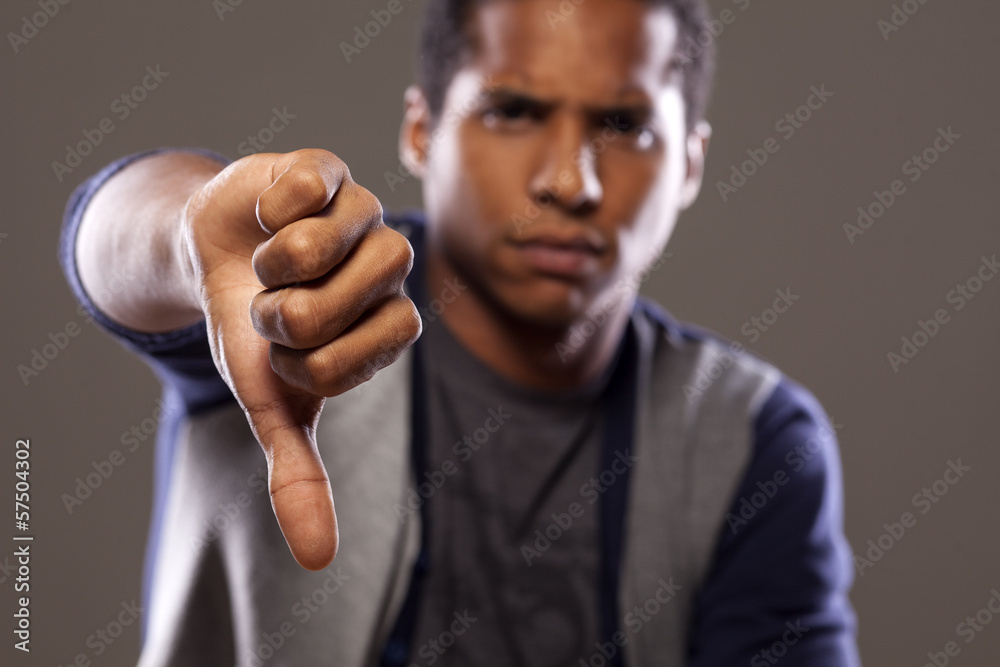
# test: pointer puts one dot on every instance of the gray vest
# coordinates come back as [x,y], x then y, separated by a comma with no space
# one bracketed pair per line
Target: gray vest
[223,577]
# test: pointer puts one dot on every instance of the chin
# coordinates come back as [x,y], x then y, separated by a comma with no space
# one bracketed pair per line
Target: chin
[539,307]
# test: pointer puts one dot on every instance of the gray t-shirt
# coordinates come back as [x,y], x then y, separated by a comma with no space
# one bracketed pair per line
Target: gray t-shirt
[514,540]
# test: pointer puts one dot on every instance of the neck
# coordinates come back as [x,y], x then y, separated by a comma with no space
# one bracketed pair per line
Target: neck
[529,353]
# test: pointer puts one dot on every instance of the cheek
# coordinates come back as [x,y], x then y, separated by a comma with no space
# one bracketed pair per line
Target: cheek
[497,170]
[645,207]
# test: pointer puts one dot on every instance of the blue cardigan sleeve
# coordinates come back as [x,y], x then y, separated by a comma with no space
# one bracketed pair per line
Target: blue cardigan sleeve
[778,585]
[181,358]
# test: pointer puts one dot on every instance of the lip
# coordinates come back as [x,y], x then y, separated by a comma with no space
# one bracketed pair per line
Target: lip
[565,254]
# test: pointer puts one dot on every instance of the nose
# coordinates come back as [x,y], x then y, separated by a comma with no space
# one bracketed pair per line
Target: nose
[567,175]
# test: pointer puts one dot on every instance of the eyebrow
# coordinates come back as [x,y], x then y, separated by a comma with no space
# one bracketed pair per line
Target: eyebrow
[509,93]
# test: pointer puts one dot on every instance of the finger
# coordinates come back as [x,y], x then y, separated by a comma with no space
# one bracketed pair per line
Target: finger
[315,313]
[313,245]
[370,344]
[302,183]
[299,486]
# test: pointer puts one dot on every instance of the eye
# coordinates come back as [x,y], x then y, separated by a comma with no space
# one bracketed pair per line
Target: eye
[509,114]
[634,128]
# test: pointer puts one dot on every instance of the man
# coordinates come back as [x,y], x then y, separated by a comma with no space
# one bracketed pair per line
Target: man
[557,473]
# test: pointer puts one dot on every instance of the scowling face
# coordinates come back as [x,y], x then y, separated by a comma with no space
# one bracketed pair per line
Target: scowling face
[555,171]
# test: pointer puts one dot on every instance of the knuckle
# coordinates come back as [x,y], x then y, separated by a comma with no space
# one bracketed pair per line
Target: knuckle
[295,319]
[314,372]
[330,371]
[305,185]
[367,207]
[399,252]
[409,325]
[303,257]
[329,159]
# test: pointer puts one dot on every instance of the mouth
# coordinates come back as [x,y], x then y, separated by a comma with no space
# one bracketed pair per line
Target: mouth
[566,255]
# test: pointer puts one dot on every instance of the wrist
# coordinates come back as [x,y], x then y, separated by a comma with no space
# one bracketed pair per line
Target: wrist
[187,270]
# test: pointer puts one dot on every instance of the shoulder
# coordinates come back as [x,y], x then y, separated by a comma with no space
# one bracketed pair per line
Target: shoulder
[719,382]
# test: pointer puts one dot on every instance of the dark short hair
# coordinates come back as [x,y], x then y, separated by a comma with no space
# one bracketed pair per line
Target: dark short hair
[445,42]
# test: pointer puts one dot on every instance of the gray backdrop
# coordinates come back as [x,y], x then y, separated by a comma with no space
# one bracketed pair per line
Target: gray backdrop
[781,229]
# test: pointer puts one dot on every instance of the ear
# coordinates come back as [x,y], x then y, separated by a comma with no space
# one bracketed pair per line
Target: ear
[415,131]
[697,149]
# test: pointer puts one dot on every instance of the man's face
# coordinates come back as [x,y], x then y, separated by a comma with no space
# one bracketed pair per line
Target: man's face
[560,159]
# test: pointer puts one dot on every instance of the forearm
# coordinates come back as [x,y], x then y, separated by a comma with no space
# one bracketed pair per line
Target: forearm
[129,253]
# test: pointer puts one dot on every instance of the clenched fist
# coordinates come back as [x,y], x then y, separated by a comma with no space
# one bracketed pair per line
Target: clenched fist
[301,285]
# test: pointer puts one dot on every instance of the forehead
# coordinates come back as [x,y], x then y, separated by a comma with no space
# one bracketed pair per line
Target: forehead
[594,50]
